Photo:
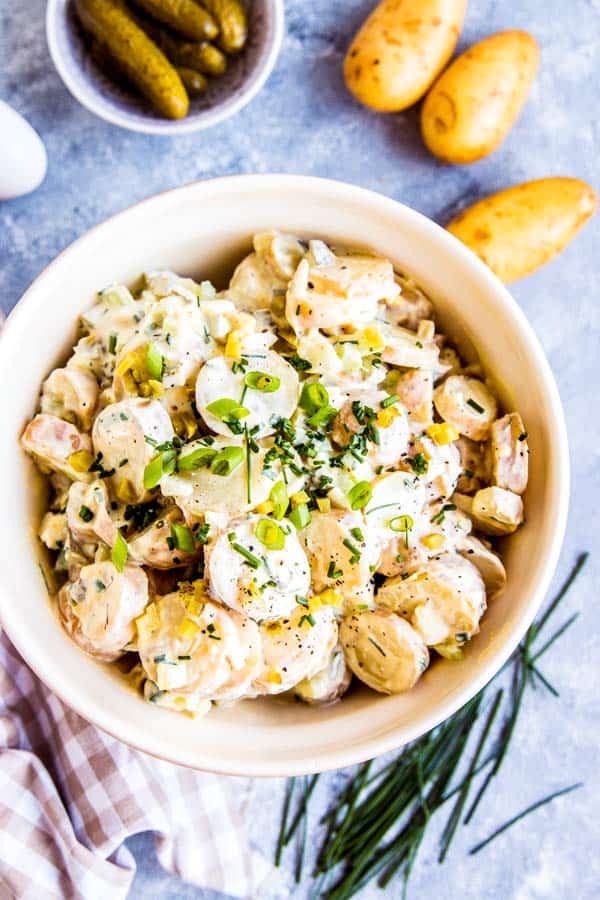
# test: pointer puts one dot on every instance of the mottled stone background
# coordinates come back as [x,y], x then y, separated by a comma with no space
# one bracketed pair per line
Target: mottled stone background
[305,122]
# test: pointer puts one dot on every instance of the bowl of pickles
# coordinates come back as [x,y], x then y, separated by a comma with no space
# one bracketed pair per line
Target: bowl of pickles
[164,66]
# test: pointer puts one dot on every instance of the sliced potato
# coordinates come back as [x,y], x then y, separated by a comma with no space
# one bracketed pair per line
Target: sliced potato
[519,229]
[295,649]
[54,444]
[510,453]
[99,607]
[467,404]
[71,394]
[88,515]
[442,598]
[383,650]
[400,50]
[489,564]
[476,101]
[329,684]
[493,510]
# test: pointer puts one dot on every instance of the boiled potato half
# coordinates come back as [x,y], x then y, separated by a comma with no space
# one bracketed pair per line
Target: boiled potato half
[476,101]
[519,229]
[400,50]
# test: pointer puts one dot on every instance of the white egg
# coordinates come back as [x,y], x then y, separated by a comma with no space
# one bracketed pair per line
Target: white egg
[23,159]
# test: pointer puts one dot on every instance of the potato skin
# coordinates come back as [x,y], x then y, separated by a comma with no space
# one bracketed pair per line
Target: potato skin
[519,229]
[400,49]
[476,101]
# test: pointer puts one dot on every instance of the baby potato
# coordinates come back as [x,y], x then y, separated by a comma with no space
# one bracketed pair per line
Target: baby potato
[400,50]
[517,230]
[476,101]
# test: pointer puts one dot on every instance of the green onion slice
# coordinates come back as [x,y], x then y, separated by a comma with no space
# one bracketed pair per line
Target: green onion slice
[154,362]
[313,397]
[227,408]
[401,523]
[153,472]
[322,416]
[300,516]
[183,537]
[279,498]
[86,514]
[270,534]
[360,495]
[201,456]
[262,381]
[390,401]
[120,552]
[226,460]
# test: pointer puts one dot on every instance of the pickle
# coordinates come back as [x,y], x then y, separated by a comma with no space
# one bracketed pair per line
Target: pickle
[183,16]
[202,56]
[135,55]
[194,82]
[231,19]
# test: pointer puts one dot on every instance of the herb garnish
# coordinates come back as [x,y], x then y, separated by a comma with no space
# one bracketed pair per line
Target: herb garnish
[378,821]
[475,405]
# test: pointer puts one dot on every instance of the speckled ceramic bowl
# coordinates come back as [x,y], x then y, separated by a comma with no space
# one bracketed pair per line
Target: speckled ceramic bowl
[245,76]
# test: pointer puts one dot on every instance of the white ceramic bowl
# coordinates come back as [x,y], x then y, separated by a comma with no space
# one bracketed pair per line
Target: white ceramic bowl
[226,95]
[202,230]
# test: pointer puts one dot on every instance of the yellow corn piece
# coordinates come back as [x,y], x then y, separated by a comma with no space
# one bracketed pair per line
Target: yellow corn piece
[253,589]
[193,606]
[370,339]
[265,508]
[188,629]
[126,492]
[385,417]
[81,460]
[299,497]
[179,701]
[233,347]
[442,433]
[274,677]
[433,541]
[324,504]
[315,602]
[329,597]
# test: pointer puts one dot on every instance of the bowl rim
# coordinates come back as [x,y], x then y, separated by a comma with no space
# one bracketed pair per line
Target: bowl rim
[403,733]
[191,123]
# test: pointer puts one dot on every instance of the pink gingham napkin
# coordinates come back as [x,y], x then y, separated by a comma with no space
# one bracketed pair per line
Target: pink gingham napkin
[70,795]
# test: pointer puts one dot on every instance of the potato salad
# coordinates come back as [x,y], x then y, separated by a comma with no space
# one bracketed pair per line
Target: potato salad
[274,488]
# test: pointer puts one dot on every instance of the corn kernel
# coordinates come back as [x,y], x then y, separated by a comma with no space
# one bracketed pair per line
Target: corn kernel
[126,492]
[370,339]
[188,629]
[324,504]
[442,433]
[329,597]
[233,347]
[315,602]
[299,497]
[81,460]
[385,417]
[433,541]
[265,508]
[274,677]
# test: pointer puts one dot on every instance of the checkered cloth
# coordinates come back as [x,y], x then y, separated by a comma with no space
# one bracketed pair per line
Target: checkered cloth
[70,795]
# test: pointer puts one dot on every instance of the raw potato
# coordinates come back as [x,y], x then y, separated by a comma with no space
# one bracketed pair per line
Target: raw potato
[476,101]
[519,229]
[400,50]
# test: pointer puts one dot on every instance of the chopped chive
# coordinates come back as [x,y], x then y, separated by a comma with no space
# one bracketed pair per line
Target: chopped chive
[250,558]
[355,552]
[308,617]
[357,534]
[112,344]
[390,401]
[377,646]
[475,405]
[302,601]
[525,812]
[183,538]
[332,572]
[86,514]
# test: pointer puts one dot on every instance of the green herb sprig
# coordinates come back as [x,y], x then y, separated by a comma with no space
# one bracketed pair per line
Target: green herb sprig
[378,821]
